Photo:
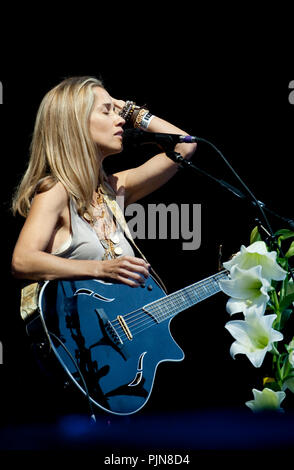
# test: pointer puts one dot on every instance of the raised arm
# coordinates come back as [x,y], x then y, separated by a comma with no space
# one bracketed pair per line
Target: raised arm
[144,179]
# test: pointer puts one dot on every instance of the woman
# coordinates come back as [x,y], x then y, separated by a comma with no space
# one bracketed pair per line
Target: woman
[69,231]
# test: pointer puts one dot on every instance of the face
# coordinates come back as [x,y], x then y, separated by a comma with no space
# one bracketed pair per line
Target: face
[106,124]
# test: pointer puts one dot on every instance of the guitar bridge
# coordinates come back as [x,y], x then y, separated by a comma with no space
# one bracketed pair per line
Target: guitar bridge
[125,327]
[109,328]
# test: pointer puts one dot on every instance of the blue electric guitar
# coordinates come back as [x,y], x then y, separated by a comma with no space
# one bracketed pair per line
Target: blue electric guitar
[110,337]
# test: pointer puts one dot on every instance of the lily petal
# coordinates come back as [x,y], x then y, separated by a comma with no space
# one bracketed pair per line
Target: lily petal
[254,336]
[266,399]
[257,254]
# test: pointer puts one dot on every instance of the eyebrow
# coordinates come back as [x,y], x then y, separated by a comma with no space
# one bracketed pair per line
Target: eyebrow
[108,105]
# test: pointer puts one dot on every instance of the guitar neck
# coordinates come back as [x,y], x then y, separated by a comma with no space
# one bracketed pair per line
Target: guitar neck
[182,299]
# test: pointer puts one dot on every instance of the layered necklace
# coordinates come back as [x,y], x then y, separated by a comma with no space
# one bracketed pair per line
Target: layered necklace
[103,223]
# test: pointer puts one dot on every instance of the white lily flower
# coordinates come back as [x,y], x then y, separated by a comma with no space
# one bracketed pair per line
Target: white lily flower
[291,352]
[254,336]
[257,254]
[248,290]
[291,358]
[266,399]
[289,383]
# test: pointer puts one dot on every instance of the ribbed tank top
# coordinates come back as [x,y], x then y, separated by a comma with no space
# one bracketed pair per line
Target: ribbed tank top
[84,243]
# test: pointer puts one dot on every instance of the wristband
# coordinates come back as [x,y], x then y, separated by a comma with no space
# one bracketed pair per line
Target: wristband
[145,121]
[138,116]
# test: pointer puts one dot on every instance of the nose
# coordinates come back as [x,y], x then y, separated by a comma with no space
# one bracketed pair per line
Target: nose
[119,121]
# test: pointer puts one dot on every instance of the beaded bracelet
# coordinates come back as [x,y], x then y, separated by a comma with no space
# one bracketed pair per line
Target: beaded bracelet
[137,115]
[127,111]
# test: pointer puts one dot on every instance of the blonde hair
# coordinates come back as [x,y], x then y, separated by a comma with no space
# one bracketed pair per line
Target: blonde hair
[62,148]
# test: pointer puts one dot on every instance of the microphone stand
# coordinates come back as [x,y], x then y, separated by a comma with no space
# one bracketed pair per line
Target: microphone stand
[183,163]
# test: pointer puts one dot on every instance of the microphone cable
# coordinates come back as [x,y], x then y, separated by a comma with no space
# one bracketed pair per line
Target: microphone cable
[271,233]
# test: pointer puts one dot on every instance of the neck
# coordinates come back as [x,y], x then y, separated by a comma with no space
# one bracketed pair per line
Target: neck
[182,299]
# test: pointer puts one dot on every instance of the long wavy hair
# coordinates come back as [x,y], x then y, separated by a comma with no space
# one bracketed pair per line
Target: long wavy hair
[62,148]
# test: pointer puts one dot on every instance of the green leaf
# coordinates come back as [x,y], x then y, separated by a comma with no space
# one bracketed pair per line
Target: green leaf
[284,233]
[288,299]
[290,252]
[286,302]
[290,287]
[283,262]
[289,376]
[285,316]
[255,235]
[273,386]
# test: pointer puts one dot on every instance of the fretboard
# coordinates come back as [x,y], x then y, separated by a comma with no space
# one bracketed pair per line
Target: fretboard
[182,299]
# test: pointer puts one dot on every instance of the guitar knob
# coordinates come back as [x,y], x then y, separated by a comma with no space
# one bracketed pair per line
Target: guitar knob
[149,287]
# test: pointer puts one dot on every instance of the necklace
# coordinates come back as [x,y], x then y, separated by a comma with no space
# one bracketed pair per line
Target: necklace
[103,223]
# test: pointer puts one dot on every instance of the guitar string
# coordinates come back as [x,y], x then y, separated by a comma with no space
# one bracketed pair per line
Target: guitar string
[143,317]
[142,327]
[175,296]
[175,303]
[144,324]
[175,299]
[146,320]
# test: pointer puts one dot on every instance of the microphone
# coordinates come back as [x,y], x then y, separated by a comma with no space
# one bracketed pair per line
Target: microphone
[138,137]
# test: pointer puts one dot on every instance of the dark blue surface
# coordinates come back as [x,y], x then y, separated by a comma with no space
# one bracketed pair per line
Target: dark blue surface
[109,368]
[195,431]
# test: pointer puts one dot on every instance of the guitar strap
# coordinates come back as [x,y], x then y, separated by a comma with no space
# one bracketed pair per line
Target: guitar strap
[116,210]
[29,297]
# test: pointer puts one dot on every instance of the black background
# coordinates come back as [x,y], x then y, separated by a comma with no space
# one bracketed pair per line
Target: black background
[225,82]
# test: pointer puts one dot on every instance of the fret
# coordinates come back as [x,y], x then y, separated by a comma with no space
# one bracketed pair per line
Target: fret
[178,301]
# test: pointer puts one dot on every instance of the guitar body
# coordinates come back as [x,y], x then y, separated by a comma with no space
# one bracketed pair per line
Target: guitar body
[104,330]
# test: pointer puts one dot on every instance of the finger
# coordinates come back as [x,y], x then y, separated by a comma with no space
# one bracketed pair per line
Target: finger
[127,281]
[118,103]
[131,274]
[134,268]
[137,261]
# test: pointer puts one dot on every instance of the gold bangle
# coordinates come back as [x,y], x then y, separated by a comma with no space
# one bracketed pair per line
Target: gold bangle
[140,116]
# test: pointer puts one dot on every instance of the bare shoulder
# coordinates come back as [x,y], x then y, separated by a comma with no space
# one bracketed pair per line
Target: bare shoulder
[55,199]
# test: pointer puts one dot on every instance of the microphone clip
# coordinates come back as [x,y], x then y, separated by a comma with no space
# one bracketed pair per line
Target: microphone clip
[178,158]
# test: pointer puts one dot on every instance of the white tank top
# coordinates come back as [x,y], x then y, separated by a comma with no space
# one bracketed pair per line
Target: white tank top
[84,243]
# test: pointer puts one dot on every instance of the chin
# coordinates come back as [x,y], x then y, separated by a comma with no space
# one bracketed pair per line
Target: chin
[112,152]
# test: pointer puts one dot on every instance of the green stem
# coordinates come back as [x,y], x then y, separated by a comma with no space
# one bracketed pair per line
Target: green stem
[275,301]
[280,376]
[284,286]
[276,365]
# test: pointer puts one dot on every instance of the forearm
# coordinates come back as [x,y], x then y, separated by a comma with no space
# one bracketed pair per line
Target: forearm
[142,180]
[160,125]
[39,265]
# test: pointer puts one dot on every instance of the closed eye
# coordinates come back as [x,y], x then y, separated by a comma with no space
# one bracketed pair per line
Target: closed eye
[107,107]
